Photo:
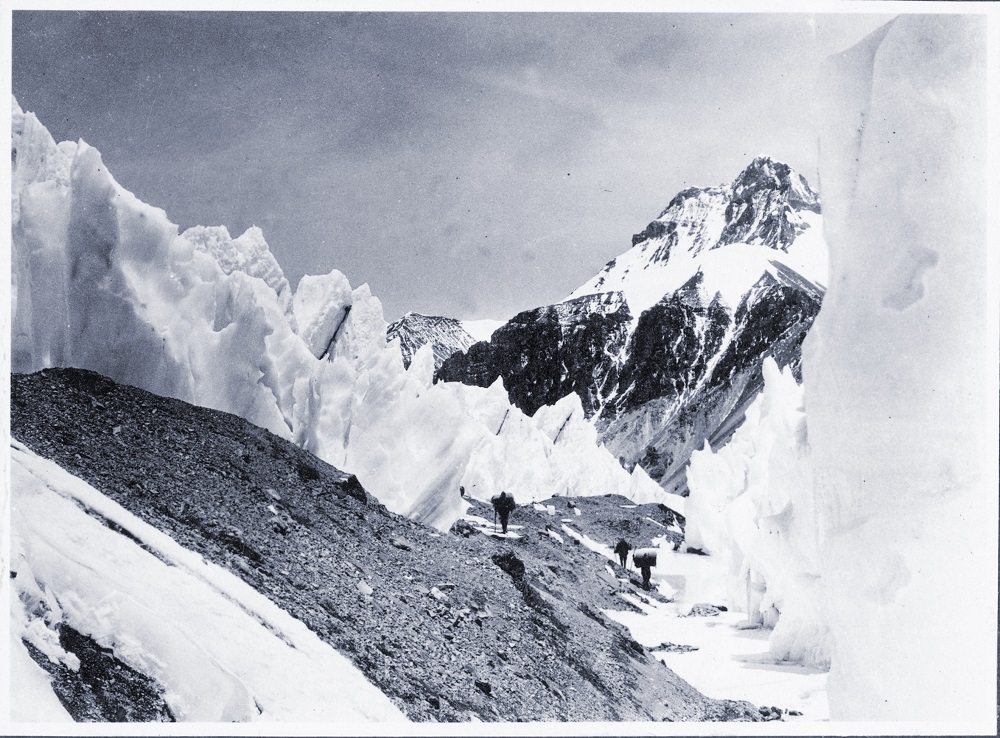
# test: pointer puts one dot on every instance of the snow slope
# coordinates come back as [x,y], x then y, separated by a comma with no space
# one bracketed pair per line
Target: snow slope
[102,281]
[482,329]
[861,508]
[220,650]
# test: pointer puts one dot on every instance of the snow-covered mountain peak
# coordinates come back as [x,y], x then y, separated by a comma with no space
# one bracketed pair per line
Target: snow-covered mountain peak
[664,345]
[766,173]
[767,205]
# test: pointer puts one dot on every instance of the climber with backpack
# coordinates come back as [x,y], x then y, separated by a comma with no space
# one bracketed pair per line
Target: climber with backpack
[503,505]
[644,559]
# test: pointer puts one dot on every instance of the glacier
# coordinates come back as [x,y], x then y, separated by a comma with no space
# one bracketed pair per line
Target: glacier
[103,281]
[856,513]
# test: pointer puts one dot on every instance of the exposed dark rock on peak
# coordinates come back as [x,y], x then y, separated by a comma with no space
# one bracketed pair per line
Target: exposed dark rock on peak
[656,229]
[766,173]
[545,353]
[760,206]
[764,198]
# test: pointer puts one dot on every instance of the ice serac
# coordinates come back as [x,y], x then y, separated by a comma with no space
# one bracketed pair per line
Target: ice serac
[102,281]
[752,506]
[859,511]
[445,335]
[900,380]
[664,346]
[248,254]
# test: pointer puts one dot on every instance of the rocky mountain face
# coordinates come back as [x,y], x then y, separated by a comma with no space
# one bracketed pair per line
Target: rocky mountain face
[665,344]
[545,353]
[451,626]
[445,335]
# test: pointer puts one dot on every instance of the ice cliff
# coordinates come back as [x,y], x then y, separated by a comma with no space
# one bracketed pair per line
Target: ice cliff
[103,281]
[858,512]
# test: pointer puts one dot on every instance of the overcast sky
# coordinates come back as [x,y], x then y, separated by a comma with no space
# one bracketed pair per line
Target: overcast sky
[470,165]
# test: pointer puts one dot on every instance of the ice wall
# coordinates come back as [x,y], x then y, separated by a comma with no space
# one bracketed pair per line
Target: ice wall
[103,281]
[900,376]
[870,525]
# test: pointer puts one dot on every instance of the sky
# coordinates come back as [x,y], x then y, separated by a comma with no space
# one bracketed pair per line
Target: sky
[464,164]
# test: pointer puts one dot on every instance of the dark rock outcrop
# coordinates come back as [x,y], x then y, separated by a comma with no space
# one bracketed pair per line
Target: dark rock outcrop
[546,353]
[104,689]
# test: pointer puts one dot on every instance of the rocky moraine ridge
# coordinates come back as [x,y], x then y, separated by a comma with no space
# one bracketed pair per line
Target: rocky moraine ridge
[451,626]
[661,379]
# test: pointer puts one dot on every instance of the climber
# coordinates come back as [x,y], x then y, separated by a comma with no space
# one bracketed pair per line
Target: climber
[503,504]
[646,574]
[622,548]
[645,558]
[461,492]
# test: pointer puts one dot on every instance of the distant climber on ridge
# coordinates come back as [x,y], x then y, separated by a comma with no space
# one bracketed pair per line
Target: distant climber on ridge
[622,548]
[503,504]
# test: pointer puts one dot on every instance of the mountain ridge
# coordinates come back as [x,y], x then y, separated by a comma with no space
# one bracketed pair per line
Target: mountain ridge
[655,338]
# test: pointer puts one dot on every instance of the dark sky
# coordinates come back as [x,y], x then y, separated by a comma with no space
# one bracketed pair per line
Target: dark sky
[464,164]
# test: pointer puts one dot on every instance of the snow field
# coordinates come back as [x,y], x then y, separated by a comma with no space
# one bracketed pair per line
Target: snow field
[732,660]
[221,651]
[482,329]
